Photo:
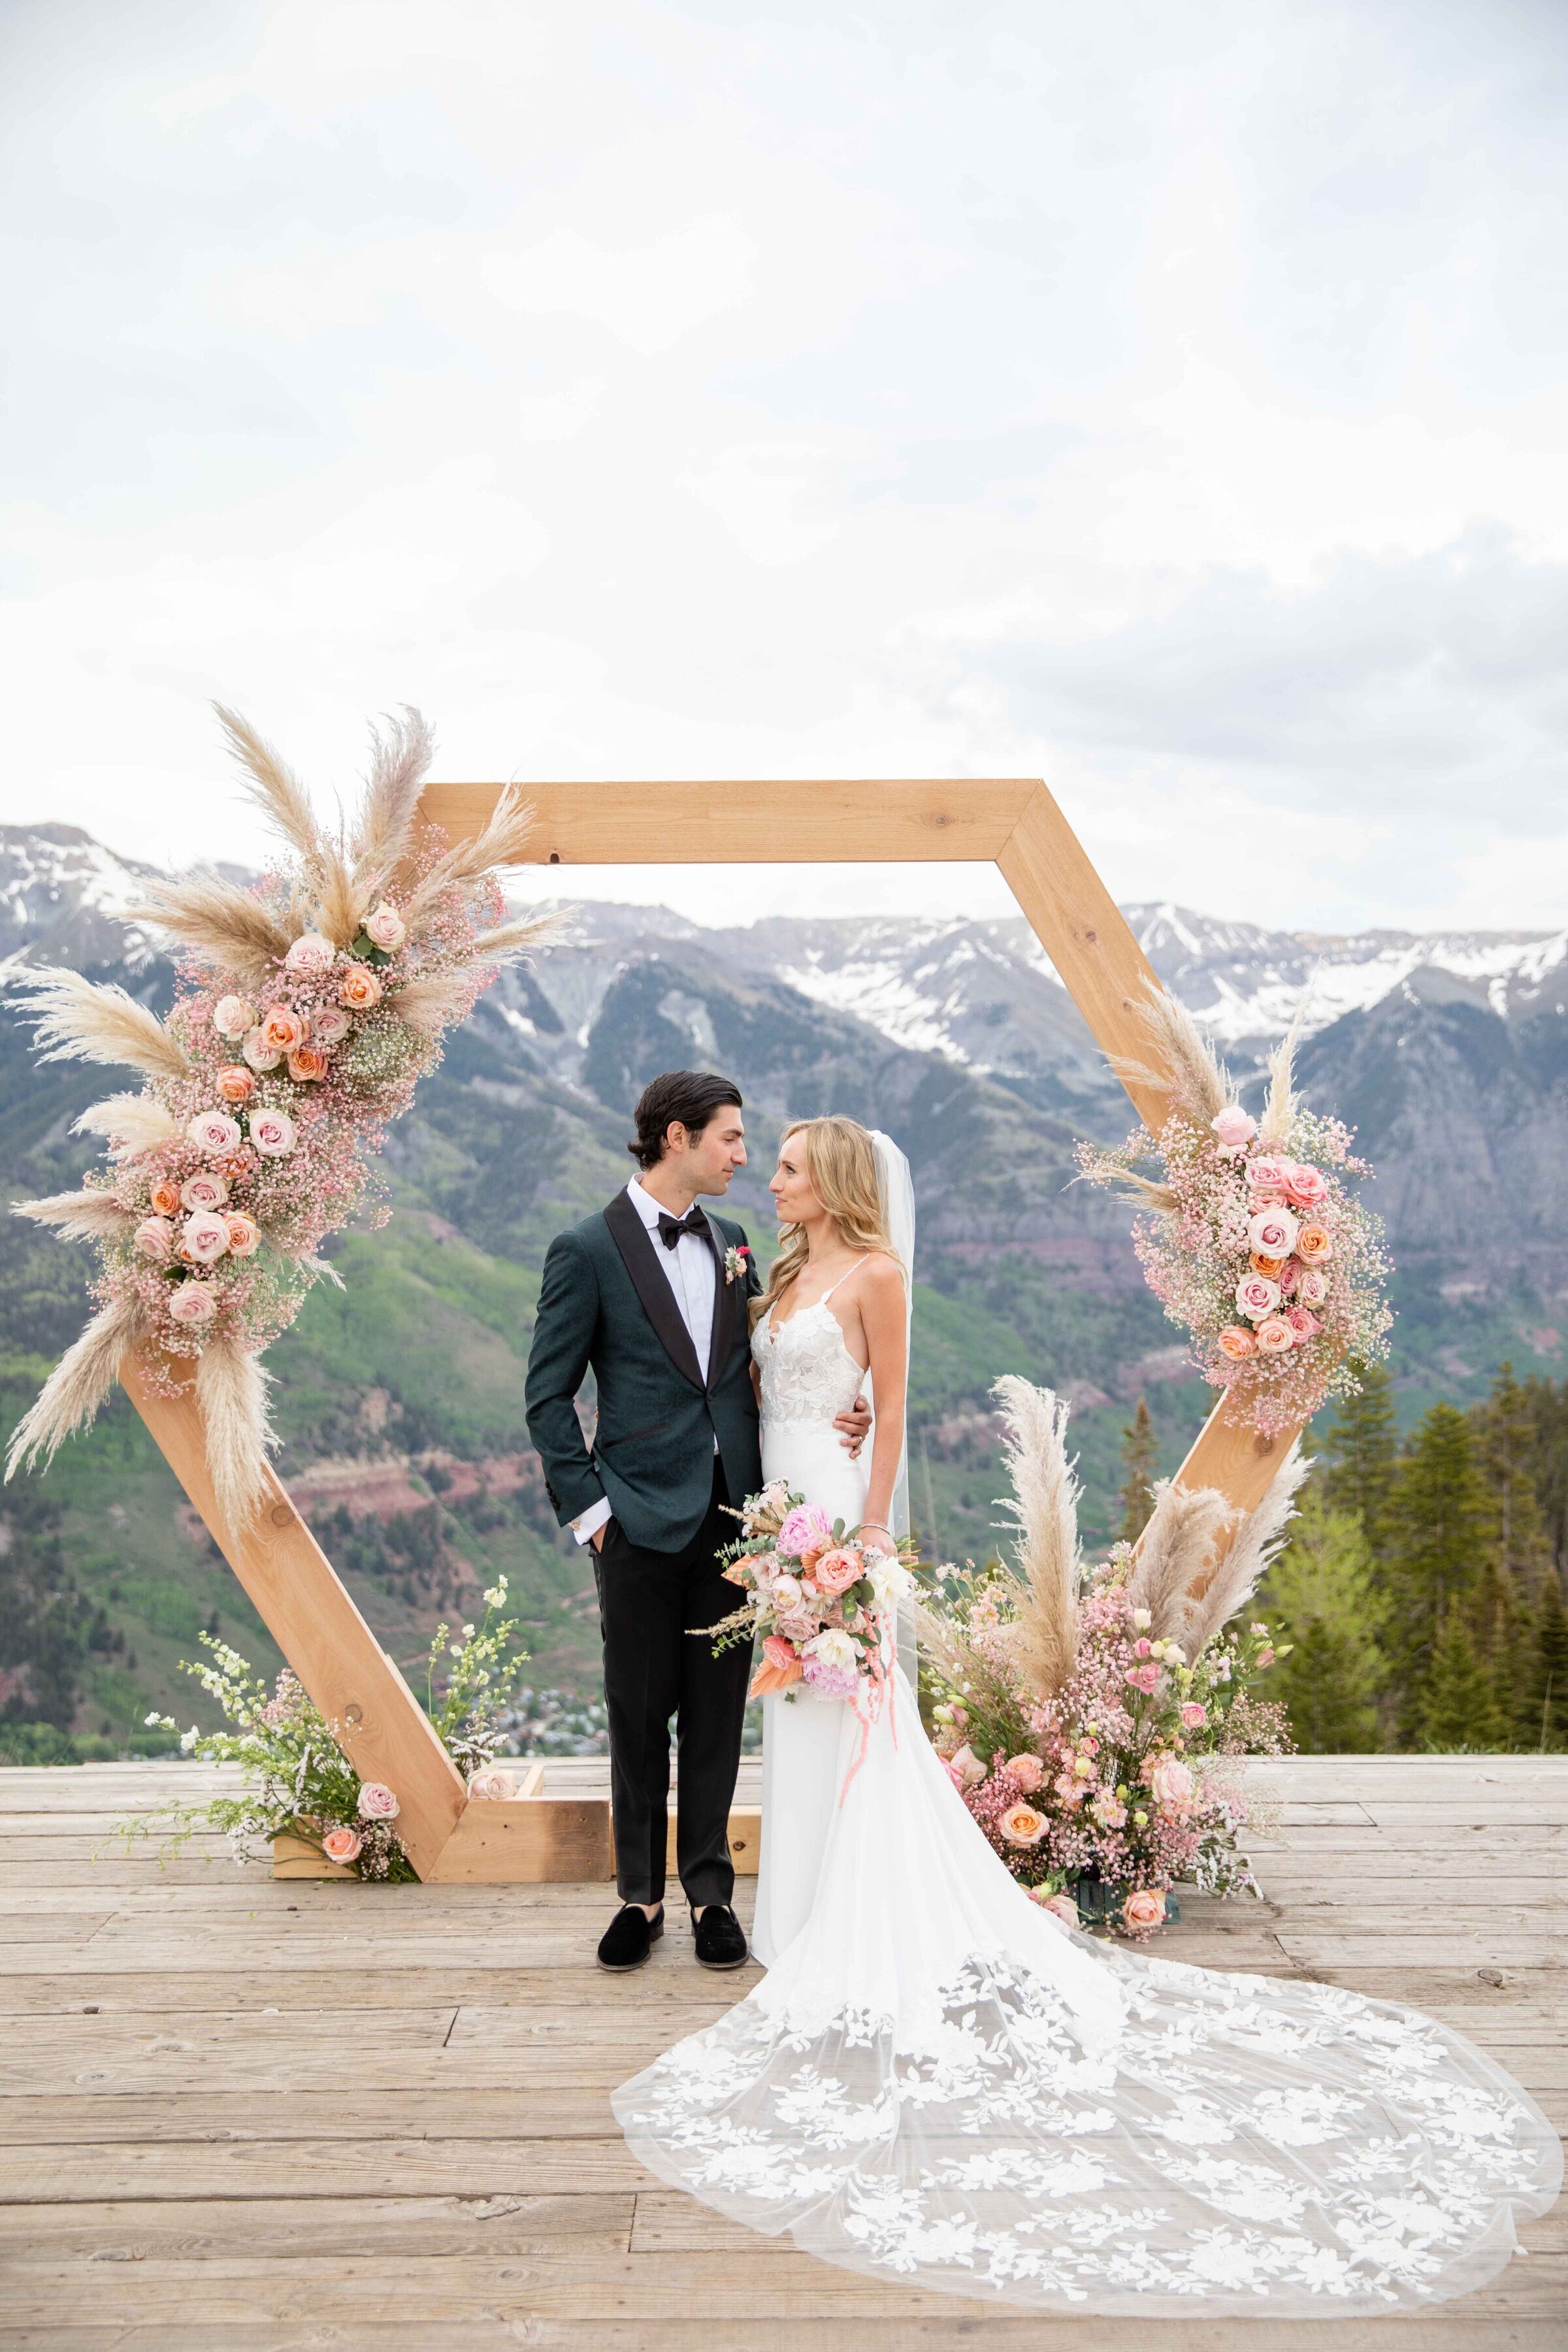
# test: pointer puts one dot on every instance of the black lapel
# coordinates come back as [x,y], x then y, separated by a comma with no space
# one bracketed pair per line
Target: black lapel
[718,1336]
[636,1247]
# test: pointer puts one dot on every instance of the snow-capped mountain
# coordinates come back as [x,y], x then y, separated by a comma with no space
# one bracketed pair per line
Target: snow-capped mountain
[61,893]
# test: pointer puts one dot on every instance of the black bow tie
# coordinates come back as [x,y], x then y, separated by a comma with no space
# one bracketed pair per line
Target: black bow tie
[671,1228]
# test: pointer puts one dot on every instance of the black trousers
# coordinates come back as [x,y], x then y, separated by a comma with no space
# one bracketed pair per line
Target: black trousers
[656,1668]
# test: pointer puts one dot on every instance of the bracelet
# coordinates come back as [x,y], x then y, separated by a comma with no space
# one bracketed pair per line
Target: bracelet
[880,1525]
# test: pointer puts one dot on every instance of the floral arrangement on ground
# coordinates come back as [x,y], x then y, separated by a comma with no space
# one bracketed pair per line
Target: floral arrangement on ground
[1093,1717]
[307,1009]
[1251,1237]
[298,1781]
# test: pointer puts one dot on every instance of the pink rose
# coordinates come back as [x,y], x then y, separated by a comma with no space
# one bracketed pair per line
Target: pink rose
[1289,1277]
[310,953]
[1265,1658]
[968,1765]
[1315,1245]
[203,1191]
[235,1085]
[1028,1771]
[213,1133]
[1143,1646]
[1236,1342]
[806,1528]
[1302,1321]
[193,1303]
[836,1572]
[1275,1335]
[155,1239]
[1194,1716]
[205,1238]
[1312,1287]
[376,1801]
[1144,1678]
[272,1133]
[359,988]
[1272,1232]
[1255,1295]
[244,1234]
[1021,1825]
[282,1029]
[798,1624]
[330,1026]
[1171,1784]
[1142,1911]
[1267,1172]
[383,927]
[342,1845]
[1233,1127]
[492,1785]
[232,1016]
[1305,1185]
[259,1052]
[954,1773]
[1056,1907]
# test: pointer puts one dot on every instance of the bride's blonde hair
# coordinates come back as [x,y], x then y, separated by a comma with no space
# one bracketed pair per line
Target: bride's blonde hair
[841,1166]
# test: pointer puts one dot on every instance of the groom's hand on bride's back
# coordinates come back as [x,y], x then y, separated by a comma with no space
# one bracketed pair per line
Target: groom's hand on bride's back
[855,1424]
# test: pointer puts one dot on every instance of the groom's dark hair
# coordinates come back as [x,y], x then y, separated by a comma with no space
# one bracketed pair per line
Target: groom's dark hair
[692,1096]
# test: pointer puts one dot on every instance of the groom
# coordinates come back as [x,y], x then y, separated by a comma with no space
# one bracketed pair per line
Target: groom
[652,1293]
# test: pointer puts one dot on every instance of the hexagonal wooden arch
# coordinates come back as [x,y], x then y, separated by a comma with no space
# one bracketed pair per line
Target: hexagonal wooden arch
[1010,822]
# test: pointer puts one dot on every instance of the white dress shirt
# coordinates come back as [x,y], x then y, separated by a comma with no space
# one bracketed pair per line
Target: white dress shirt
[692,1275]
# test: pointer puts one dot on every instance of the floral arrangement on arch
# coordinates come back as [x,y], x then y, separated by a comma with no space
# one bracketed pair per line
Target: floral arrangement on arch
[307,1009]
[300,1783]
[1252,1238]
[1092,1718]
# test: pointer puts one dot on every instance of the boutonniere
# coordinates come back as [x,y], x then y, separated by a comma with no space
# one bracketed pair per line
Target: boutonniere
[737,1262]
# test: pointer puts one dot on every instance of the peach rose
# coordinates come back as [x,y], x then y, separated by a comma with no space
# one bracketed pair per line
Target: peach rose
[1270,1268]
[164,1197]
[342,1845]
[1236,1342]
[359,988]
[206,1190]
[1315,1245]
[307,1062]
[329,1026]
[235,1085]
[193,1303]
[376,1801]
[1275,1335]
[837,1570]
[1312,1287]
[282,1030]
[244,1234]
[272,1133]
[205,1238]
[383,927]
[310,953]
[1027,1770]
[1234,1128]
[1021,1825]
[232,1016]
[492,1785]
[155,1239]
[213,1133]
[1171,1784]
[1272,1232]
[1143,1910]
[1256,1295]
[259,1052]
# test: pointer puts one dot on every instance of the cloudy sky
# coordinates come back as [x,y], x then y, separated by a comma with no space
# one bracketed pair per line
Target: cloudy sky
[1165,397]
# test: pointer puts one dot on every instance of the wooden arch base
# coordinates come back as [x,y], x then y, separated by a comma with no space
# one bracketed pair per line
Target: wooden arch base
[1013,823]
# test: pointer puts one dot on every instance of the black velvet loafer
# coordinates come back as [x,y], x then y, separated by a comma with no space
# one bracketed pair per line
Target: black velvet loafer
[719,1938]
[629,1937]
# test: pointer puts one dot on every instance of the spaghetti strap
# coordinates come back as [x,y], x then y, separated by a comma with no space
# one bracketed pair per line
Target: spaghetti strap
[843,1278]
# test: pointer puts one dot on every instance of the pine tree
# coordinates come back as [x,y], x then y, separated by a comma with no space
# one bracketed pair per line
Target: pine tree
[1548,1406]
[1501,1632]
[1322,1593]
[1139,1463]
[1506,1430]
[1458,1706]
[1544,1716]
[1361,1456]
[1442,1536]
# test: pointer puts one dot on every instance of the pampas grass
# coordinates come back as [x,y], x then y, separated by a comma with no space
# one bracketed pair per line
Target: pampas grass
[1043,1510]
[500,842]
[272,787]
[82,1216]
[1174,1551]
[78,1020]
[76,1388]
[1183,1066]
[131,1122]
[1252,1547]
[232,1394]
[227,927]
[399,760]
[1280,1109]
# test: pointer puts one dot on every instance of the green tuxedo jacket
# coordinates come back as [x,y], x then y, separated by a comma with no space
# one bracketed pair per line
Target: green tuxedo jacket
[606,1303]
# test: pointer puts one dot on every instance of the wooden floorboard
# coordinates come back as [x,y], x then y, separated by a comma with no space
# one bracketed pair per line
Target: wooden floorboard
[280,2115]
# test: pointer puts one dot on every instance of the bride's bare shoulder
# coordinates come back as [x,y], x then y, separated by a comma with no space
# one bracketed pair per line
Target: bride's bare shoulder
[880,1274]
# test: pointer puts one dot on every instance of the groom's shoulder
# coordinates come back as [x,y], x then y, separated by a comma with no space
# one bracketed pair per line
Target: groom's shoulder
[589,1233]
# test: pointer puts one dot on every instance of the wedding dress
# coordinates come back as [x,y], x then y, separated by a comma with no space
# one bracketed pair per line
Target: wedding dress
[937,2081]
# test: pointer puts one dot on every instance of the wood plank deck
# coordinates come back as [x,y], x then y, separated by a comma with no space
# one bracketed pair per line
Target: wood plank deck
[280,2115]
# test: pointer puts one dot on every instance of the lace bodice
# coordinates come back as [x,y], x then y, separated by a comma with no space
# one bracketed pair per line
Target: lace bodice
[807,1373]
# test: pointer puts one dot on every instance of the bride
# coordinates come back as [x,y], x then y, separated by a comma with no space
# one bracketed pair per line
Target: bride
[936,2081]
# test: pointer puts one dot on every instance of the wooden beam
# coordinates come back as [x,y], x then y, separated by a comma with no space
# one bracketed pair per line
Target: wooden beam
[374,1716]
[1227,1454]
[869,820]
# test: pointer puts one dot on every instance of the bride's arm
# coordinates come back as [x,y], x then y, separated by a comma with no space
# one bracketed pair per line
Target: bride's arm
[884,1321]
